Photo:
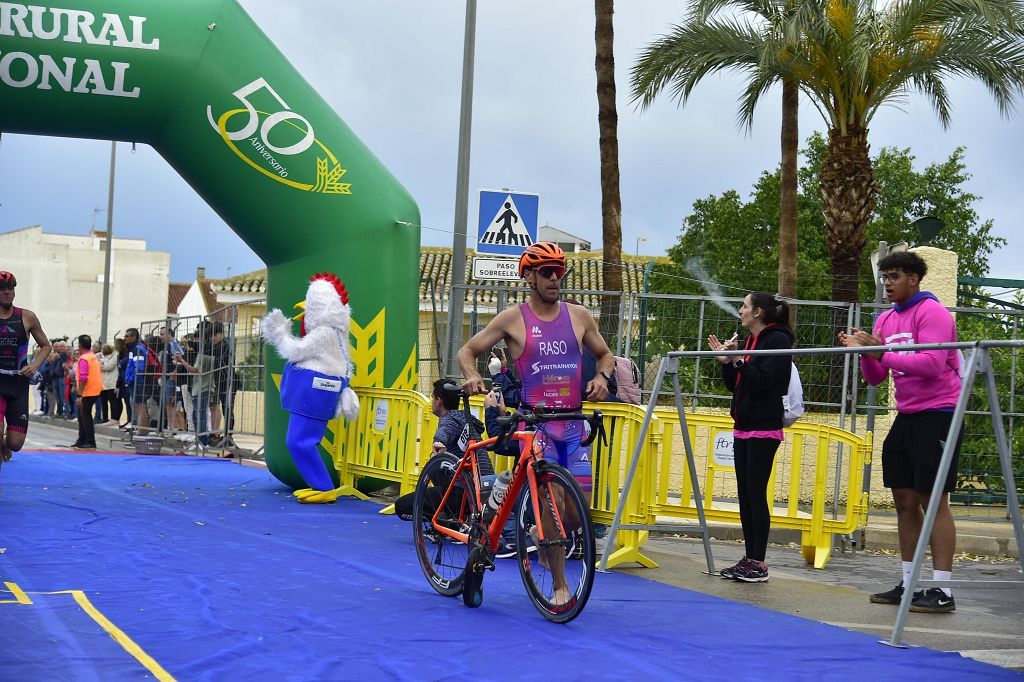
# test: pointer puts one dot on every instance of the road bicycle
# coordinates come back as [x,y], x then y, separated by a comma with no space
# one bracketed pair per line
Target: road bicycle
[455,542]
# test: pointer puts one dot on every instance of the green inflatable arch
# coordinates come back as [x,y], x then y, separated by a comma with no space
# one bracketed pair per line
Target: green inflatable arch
[207,89]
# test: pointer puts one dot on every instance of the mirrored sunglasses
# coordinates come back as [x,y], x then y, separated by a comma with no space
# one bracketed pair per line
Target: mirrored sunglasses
[546,271]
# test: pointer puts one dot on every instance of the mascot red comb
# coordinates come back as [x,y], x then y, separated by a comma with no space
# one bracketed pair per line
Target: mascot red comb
[315,384]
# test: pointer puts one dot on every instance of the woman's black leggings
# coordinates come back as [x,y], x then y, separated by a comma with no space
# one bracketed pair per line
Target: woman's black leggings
[753,458]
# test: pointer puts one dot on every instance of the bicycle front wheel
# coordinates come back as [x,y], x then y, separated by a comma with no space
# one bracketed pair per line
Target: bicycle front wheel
[442,558]
[558,570]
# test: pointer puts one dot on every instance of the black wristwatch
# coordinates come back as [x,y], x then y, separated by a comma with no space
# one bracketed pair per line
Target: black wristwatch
[739,363]
[607,376]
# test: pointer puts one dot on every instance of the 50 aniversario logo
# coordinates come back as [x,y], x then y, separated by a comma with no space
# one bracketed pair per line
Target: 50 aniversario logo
[281,144]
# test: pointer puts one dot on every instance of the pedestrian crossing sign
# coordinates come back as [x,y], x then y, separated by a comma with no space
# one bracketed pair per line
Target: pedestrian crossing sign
[508,222]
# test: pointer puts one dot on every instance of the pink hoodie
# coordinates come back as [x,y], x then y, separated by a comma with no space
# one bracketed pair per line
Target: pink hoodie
[924,380]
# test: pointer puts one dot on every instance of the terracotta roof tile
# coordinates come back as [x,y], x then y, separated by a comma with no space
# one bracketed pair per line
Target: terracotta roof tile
[436,270]
[175,295]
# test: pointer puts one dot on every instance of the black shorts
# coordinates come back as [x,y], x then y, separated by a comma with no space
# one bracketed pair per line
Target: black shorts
[14,393]
[913,449]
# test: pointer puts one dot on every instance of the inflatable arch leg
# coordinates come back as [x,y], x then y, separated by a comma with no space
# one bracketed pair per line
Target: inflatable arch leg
[205,87]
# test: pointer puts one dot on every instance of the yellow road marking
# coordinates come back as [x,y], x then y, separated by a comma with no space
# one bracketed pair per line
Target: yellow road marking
[19,596]
[119,636]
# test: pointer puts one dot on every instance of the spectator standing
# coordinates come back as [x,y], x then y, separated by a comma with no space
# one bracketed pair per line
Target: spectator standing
[170,352]
[191,355]
[140,377]
[225,385]
[60,384]
[203,383]
[123,394]
[50,371]
[757,383]
[88,386]
[108,397]
[927,385]
[100,414]
[70,386]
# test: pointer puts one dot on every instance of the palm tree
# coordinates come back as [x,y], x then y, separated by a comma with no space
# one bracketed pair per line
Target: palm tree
[611,201]
[854,59]
[707,43]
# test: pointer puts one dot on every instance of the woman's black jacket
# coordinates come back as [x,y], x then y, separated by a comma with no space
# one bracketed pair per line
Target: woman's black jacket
[759,384]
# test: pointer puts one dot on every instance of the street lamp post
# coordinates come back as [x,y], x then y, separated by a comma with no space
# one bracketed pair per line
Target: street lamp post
[110,245]
[458,269]
[638,240]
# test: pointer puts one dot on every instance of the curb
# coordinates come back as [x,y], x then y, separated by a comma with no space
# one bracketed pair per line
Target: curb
[1001,545]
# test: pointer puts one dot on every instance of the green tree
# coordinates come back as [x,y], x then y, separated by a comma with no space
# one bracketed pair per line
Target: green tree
[905,194]
[735,242]
[738,240]
[855,59]
[708,43]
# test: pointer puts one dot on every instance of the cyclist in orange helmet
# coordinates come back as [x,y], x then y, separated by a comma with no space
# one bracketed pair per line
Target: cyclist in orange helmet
[16,324]
[545,337]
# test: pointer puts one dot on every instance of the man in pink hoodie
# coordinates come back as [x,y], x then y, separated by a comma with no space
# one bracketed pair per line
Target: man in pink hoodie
[927,385]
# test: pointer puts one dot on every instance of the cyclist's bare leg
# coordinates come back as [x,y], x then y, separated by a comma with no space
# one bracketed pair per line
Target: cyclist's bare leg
[552,557]
[13,441]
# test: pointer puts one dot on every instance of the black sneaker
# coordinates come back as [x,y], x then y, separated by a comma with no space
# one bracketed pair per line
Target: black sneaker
[893,596]
[730,572]
[751,572]
[933,601]
[506,548]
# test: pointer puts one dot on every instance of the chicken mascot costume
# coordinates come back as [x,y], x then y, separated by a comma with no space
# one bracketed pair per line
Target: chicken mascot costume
[315,384]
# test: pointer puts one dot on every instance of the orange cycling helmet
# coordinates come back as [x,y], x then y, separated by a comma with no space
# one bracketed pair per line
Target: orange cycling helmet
[7,279]
[541,252]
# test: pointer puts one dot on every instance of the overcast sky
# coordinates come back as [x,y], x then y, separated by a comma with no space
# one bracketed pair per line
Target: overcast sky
[392,70]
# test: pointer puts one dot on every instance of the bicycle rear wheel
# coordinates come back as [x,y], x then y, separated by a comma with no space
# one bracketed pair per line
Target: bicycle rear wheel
[442,559]
[558,571]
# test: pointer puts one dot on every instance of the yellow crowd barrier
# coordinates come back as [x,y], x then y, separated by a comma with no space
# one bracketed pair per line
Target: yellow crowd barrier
[391,438]
[801,477]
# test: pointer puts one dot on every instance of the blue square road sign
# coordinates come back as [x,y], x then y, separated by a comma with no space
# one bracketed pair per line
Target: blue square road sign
[507,222]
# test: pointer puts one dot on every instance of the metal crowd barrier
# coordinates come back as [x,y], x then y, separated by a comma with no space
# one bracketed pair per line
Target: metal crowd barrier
[391,439]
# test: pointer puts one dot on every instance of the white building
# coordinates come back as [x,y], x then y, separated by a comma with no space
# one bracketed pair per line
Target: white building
[60,278]
[569,243]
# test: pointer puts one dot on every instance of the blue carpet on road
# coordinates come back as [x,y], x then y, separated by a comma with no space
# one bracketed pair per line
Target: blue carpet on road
[215,572]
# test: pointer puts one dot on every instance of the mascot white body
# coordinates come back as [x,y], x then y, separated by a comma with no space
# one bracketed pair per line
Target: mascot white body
[315,385]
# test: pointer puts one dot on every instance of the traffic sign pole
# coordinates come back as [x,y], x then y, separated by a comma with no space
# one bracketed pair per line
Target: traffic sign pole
[458,268]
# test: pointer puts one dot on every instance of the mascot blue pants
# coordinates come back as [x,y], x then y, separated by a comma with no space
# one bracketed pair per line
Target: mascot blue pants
[312,398]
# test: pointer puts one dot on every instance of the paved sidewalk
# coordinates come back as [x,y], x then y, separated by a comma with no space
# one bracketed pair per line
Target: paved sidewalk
[986,624]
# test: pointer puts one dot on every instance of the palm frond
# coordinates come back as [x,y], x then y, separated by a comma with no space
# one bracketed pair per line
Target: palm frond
[678,61]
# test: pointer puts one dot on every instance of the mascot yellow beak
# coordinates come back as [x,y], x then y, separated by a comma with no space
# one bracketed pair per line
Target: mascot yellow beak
[301,305]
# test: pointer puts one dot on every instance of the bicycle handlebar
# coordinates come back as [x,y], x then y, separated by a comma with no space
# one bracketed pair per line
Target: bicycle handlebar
[596,421]
[505,424]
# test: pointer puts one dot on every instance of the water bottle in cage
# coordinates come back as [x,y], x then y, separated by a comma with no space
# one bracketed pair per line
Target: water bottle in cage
[497,495]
